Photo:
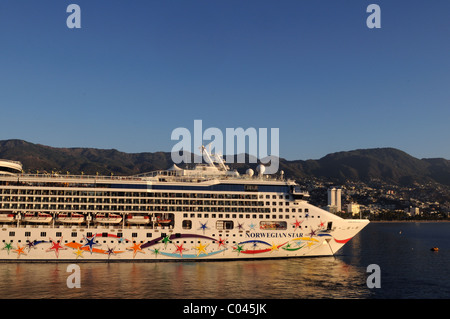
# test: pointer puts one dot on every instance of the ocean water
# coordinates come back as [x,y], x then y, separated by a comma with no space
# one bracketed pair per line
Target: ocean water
[408,270]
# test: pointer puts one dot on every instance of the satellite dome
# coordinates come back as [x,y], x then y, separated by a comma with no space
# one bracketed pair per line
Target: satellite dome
[250,172]
[261,169]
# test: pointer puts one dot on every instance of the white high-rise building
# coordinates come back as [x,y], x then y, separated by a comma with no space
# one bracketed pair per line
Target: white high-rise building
[334,199]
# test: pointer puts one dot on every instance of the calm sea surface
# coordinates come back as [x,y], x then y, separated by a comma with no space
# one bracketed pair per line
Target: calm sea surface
[402,251]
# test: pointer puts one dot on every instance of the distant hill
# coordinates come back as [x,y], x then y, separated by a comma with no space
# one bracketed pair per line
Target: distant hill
[388,164]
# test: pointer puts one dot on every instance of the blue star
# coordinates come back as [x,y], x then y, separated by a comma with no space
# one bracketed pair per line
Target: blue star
[89,243]
[203,226]
[252,226]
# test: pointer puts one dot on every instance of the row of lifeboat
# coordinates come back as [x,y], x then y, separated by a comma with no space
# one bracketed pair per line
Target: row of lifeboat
[76,218]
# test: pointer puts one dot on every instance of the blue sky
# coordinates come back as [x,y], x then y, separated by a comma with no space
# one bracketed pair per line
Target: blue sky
[138,69]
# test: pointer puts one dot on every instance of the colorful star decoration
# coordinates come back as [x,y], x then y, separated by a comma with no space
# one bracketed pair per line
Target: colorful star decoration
[8,247]
[89,243]
[203,226]
[110,251]
[136,248]
[297,224]
[238,249]
[180,249]
[201,249]
[56,247]
[221,242]
[166,240]
[79,253]
[19,250]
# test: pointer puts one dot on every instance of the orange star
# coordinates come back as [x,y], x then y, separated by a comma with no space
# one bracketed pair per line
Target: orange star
[135,248]
[19,251]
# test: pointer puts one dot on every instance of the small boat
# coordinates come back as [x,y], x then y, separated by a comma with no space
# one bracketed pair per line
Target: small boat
[107,218]
[138,219]
[37,218]
[6,218]
[70,218]
[163,221]
[435,249]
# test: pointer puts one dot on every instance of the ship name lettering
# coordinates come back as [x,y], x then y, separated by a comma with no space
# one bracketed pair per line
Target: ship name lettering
[274,235]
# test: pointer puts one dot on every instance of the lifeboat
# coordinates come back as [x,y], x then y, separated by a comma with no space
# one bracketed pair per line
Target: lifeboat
[37,218]
[70,218]
[6,218]
[163,220]
[138,219]
[107,218]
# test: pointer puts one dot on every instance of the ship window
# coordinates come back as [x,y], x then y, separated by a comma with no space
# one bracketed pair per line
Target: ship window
[43,234]
[273,225]
[224,224]
[74,234]
[134,235]
[27,234]
[58,234]
[11,233]
[186,224]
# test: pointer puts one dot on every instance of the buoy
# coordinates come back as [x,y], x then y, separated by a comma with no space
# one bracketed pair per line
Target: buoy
[435,249]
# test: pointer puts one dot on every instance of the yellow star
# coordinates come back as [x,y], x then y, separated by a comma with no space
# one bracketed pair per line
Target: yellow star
[274,247]
[79,253]
[309,244]
[201,248]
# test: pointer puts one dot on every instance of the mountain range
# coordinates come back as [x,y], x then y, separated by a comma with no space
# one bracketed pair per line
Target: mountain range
[388,164]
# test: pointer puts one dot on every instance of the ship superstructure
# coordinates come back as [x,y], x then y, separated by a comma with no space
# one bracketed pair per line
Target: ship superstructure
[204,213]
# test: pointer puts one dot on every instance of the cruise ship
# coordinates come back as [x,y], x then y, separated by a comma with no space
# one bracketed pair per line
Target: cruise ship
[207,212]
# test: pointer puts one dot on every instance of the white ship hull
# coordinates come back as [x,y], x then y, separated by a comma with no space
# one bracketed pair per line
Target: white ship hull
[173,215]
[133,243]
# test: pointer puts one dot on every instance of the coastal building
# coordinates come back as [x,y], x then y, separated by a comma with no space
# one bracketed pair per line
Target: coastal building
[334,200]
